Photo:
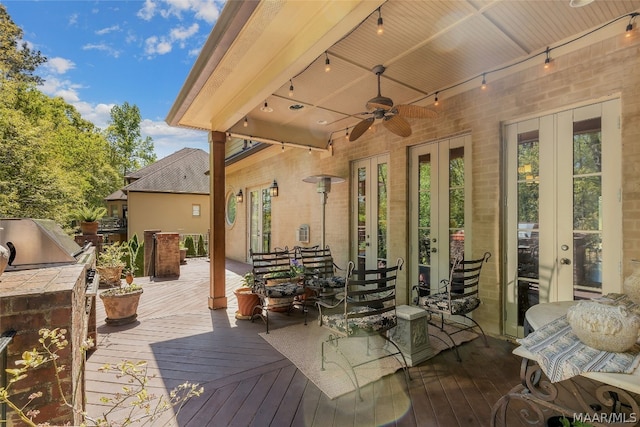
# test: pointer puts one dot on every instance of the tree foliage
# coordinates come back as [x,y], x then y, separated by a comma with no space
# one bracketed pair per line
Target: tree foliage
[17,61]
[51,159]
[129,151]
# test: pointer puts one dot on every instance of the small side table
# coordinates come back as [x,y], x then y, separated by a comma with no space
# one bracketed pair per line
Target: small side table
[412,334]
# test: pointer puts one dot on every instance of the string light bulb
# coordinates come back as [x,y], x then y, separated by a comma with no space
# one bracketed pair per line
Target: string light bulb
[246,122]
[629,28]
[346,135]
[547,61]
[380,29]
[435,101]
[283,146]
[290,88]
[327,63]
[266,108]
[484,81]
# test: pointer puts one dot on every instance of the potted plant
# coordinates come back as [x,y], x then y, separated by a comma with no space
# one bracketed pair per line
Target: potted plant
[110,264]
[247,300]
[183,254]
[89,217]
[121,301]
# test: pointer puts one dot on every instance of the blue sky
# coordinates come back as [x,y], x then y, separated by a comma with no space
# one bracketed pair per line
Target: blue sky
[103,53]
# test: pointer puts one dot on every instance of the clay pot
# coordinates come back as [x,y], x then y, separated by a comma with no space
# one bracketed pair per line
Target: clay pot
[89,228]
[122,308]
[247,302]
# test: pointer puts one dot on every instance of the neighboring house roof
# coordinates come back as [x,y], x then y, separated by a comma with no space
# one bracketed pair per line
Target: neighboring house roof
[181,172]
[115,196]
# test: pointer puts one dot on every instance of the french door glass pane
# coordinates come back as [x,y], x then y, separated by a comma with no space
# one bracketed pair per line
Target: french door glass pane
[587,208]
[362,218]
[456,201]
[528,182]
[382,215]
[424,218]
[266,220]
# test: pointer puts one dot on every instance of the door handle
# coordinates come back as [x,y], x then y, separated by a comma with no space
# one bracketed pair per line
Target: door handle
[434,250]
[565,261]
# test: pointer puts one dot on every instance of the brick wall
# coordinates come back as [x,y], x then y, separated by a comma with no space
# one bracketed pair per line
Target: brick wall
[167,256]
[45,298]
[610,68]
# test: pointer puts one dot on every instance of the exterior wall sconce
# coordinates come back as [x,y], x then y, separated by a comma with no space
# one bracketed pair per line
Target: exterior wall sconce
[239,197]
[273,190]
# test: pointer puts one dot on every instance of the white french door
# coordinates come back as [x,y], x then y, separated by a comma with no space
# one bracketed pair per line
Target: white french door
[370,186]
[259,220]
[440,207]
[563,208]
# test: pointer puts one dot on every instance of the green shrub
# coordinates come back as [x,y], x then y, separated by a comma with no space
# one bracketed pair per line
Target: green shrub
[190,245]
[134,257]
[201,250]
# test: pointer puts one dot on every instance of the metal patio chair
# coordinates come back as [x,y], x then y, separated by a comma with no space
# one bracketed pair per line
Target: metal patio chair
[274,285]
[456,296]
[366,307]
[320,271]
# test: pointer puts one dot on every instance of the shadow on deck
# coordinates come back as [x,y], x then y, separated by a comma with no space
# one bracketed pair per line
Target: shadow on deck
[247,382]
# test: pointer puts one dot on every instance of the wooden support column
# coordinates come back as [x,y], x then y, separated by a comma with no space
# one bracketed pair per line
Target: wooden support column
[217,286]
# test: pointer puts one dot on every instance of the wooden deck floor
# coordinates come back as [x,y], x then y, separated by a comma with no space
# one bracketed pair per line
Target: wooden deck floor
[248,383]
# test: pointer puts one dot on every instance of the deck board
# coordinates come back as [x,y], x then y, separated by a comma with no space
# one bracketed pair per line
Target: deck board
[248,383]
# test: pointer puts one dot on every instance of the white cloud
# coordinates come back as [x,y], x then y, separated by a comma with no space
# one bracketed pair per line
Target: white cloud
[108,30]
[205,10]
[59,65]
[64,88]
[148,10]
[168,140]
[182,33]
[98,114]
[208,11]
[73,19]
[157,46]
[102,47]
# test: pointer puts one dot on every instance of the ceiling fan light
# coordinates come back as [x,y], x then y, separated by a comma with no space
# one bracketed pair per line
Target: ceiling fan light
[579,3]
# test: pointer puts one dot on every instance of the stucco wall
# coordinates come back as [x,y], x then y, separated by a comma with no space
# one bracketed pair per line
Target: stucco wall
[167,212]
[603,70]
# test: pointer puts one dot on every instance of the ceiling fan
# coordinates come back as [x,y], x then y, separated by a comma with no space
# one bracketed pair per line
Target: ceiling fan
[381,107]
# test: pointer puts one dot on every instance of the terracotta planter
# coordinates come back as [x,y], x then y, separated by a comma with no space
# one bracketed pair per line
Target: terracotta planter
[89,228]
[247,302]
[110,275]
[121,308]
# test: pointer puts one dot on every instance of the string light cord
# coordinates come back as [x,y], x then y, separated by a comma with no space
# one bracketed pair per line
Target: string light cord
[631,15]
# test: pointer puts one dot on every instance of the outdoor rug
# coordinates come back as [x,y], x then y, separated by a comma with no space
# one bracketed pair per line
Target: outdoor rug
[302,346]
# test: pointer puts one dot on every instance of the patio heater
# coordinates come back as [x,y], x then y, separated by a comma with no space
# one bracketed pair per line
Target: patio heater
[323,186]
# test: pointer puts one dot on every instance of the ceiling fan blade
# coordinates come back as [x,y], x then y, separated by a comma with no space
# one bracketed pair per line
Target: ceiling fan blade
[416,112]
[361,128]
[397,125]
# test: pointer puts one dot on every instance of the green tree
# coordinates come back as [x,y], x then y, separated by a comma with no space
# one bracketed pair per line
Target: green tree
[16,63]
[51,160]
[129,151]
